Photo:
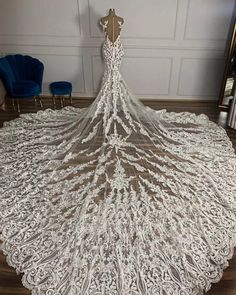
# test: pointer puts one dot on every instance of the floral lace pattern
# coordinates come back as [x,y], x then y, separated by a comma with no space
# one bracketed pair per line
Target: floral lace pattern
[117,199]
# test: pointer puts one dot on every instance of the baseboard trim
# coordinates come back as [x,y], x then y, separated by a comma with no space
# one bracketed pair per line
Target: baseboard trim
[147,99]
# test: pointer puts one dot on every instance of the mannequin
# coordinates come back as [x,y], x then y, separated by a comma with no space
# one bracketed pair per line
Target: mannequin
[112,25]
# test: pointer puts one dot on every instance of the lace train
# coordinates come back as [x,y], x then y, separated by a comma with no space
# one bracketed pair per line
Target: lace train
[117,199]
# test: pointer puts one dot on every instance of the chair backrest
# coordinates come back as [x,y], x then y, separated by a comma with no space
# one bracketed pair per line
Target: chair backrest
[20,67]
[6,74]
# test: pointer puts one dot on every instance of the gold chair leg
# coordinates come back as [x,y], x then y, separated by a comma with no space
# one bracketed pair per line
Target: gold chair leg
[71,99]
[18,105]
[40,102]
[54,100]
[13,104]
[35,102]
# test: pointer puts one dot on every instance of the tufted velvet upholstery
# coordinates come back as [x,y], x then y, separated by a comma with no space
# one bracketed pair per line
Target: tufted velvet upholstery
[21,75]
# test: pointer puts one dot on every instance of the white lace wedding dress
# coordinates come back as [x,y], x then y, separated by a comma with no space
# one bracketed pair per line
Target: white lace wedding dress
[117,198]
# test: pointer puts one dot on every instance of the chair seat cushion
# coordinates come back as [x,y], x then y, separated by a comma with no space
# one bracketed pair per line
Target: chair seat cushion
[25,88]
[61,88]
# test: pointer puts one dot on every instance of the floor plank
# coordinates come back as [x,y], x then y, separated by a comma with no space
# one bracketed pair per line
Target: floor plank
[10,283]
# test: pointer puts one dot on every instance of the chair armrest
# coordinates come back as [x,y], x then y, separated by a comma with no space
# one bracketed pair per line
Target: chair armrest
[37,74]
[6,81]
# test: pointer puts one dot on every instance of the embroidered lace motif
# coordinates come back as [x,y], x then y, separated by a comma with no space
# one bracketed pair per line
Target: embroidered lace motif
[116,198]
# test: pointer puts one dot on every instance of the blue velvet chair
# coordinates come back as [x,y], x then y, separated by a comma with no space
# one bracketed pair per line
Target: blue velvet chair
[22,77]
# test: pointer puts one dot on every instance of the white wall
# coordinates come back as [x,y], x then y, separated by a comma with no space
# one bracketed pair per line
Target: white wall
[174,49]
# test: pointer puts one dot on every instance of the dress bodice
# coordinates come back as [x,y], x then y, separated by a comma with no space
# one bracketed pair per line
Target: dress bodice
[112,53]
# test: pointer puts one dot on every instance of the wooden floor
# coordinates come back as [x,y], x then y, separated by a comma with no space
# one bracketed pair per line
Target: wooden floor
[10,283]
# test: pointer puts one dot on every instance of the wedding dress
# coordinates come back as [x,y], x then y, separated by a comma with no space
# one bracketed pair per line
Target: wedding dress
[117,198]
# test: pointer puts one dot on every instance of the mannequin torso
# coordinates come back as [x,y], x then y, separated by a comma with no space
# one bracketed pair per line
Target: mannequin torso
[112,25]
